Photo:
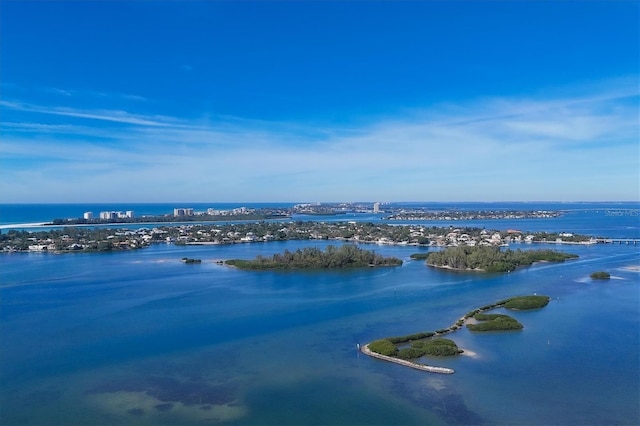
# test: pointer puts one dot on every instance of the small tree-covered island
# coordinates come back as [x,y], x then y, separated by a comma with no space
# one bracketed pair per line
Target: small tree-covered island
[492,259]
[405,350]
[600,275]
[346,256]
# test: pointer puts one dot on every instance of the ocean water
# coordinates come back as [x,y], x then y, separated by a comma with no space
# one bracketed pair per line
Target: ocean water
[34,213]
[141,338]
[610,219]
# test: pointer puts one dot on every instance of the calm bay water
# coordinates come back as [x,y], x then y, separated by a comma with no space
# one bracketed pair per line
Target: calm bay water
[141,338]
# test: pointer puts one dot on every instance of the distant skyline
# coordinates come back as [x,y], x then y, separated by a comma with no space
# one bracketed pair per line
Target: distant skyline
[293,101]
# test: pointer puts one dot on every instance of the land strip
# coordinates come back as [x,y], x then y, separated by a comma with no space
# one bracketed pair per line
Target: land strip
[388,344]
[98,238]
[431,369]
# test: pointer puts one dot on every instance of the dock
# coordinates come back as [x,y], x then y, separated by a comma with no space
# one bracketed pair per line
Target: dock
[431,369]
[627,241]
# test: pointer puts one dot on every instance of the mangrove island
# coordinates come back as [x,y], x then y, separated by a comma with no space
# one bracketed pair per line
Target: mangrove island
[600,275]
[405,349]
[492,259]
[346,256]
[494,322]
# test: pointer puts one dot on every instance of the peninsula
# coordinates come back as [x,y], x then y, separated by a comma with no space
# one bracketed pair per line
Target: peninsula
[388,212]
[179,215]
[103,238]
[472,215]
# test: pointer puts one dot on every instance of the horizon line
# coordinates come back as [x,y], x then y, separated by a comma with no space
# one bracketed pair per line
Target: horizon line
[319,202]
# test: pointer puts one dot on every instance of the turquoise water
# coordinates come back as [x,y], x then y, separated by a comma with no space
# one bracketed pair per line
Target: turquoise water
[141,338]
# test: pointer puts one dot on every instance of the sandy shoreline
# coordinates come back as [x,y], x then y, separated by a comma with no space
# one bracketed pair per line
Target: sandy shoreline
[451,268]
[74,225]
[23,225]
[442,370]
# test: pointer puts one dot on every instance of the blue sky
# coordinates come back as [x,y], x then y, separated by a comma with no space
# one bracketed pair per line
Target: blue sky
[220,101]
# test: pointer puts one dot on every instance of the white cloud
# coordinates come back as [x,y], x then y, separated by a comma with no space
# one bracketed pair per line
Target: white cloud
[60,91]
[499,149]
[117,116]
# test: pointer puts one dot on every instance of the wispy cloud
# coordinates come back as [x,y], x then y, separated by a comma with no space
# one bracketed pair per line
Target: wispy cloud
[103,115]
[78,94]
[582,146]
[60,91]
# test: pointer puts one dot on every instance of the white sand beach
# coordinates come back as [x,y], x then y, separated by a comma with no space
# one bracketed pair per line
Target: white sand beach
[23,225]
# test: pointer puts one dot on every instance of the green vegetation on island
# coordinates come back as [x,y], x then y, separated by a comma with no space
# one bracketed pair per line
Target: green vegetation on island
[410,337]
[384,347]
[99,238]
[432,347]
[519,303]
[600,275]
[430,343]
[564,237]
[492,259]
[346,256]
[419,256]
[525,302]
[74,239]
[494,322]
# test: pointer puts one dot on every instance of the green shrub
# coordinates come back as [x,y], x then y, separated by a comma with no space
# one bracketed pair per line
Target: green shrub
[418,336]
[489,317]
[410,337]
[441,342]
[526,302]
[432,347]
[419,256]
[383,347]
[492,259]
[410,353]
[471,313]
[600,275]
[346,256]
[442,350]
[494,322]
[441,347]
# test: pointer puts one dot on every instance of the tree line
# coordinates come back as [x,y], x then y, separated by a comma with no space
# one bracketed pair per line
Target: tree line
[492,259]
[429,343]
[346,256]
